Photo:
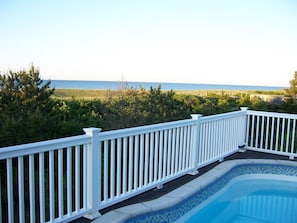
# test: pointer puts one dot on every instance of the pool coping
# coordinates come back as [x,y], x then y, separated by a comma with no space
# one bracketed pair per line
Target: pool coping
[180,194]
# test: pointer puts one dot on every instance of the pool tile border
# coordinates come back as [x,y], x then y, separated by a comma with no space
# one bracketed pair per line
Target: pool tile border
[180,194]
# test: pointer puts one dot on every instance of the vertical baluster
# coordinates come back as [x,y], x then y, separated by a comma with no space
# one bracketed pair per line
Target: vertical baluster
[131,154]
[219,137]
[161,151]
[247,140]
[267,132]
[146,157]
[125,153]
[105,172]
[213,138]
[112,169]
[215,129]
[252,131]
[141,161]
[10,202]
[169,152]
[190,135]
[51,185]
[283,134]
[243,133]
[77,178]
[186,144]
[235,132]
[230,136]
[207,146]
[293,138]
[205,149]
[136,161]
[151,149]
[288,134]
[21,189]
[272,134]
[32,187]
[201,143]
[225,141]
[119,165]
[173,150]
[277,134]
[177,149]
[186,147]
[217,147]
[156,147]
[257,132]
[69,180]
[239,133]
[60,183]
[41,187]
[262,131]
[85,149]
[165,161]
[210,140]
[181,148]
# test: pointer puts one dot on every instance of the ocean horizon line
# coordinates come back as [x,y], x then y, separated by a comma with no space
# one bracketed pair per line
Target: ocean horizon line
[114,85]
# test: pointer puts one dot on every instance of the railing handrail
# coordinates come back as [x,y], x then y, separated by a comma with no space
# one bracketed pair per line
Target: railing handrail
[221,116]
[272,114]
[43,146]
[144,129]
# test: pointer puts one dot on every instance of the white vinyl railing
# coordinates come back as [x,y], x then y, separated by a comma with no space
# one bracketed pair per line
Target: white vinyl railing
[44,181]
[64,179]
[272,132]
[138,159]
[219,136]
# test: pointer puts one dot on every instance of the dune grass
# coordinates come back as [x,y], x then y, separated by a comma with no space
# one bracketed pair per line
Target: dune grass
[72,94]
[76,94]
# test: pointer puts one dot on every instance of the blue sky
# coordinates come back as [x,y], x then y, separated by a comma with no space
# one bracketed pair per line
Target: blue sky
[247,42]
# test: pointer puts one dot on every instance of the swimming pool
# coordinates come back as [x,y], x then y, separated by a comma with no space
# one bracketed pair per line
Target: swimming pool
[180,204]
[249,199]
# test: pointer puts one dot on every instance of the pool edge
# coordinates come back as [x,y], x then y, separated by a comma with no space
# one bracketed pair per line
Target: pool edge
[180,194]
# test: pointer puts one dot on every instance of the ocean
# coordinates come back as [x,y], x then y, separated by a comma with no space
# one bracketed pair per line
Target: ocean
[114,85]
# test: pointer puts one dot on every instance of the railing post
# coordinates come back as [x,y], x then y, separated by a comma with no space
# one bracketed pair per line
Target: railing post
[242,147]
[93,172]
[195,144]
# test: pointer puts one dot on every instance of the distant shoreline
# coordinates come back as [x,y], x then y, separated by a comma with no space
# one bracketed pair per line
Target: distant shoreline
[117,85]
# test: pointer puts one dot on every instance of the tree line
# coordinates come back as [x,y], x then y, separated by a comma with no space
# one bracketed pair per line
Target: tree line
[29,113]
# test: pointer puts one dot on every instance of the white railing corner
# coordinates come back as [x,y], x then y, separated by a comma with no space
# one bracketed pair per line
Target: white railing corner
[195,144]
[242,147]
[244,108]
[93,172]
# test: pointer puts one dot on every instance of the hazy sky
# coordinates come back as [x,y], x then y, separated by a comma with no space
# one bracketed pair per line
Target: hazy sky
[247,42]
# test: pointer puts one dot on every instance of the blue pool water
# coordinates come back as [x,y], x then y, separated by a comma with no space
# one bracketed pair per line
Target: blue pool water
[244,201]
[249,200]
